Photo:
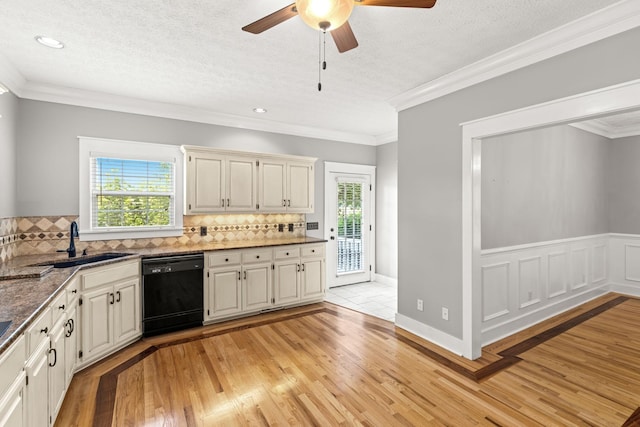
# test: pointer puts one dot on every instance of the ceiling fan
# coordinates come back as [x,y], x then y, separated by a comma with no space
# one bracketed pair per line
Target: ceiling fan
[329,15]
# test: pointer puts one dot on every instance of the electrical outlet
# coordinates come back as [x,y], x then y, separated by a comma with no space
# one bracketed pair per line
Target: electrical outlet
[290,228]
[420,305]
[281,227]
[445,313]
[203,231]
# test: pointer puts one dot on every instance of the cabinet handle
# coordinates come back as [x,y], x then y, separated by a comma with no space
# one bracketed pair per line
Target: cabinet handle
[313,251]
[302,267]
[75,291]
[118,293]
[69,325]
[238,275]
[289,203]
[298,267]
[228,202]
[112,299]
[226,260]
[223,203]
[258,256]
[45,330]
[55,357]
[61,307]
[284,202]
[245,275]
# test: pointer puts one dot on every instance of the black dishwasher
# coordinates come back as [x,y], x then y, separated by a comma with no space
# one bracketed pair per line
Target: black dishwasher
[172,293]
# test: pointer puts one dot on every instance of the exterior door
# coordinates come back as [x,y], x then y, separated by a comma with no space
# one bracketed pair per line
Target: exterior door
[349,226]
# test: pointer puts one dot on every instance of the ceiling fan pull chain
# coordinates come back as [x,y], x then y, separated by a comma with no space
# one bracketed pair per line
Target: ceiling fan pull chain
[324,50]
[319,61]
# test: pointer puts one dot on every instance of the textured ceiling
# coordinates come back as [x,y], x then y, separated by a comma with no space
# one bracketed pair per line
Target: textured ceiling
[194,54]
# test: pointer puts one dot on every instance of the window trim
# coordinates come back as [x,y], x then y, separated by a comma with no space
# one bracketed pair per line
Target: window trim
[100,147]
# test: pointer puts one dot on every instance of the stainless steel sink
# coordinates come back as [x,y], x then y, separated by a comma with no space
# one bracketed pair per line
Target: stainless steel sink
[87,259]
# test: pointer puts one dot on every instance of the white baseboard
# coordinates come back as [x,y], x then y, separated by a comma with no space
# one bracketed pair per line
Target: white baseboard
[625,289]
[433,335]
[385,280]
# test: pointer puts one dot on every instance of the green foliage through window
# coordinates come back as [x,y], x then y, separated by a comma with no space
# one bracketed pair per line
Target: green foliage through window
[132,193]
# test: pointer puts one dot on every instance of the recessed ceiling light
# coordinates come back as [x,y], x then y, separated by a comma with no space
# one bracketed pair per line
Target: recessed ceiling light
[49,42]
[259,110]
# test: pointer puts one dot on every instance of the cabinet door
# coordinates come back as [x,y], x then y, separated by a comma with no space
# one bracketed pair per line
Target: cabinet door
[126,311]
[205,184]
[12,405]
[224,292]
[37,370]
[241,184]
[256,289]
[57,380]
[299,187]
[272,180]
[97,323]
[312,278]
[287,286]
[70,344]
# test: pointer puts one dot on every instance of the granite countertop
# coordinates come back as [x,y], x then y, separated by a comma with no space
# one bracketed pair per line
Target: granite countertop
[32,287]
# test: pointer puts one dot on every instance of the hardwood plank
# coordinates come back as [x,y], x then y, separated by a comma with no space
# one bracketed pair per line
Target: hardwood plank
[323,365]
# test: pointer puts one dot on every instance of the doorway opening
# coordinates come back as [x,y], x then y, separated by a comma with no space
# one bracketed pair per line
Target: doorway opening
[350,233]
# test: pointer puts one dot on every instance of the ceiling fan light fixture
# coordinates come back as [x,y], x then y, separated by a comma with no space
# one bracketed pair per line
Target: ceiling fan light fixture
[324,15]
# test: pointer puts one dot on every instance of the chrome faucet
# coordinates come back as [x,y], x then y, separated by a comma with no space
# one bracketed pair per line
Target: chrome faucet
[73,232]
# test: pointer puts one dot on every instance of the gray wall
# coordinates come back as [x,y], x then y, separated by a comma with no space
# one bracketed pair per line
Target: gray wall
[430,173]
[543,184]
[47,153]
[624,185]
[8,110]
[387,210]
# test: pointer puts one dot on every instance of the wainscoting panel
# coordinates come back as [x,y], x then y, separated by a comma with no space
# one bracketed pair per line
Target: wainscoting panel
[624,263]
[523,285]
[529,281]
[495,290]
[578,268]
[557,274]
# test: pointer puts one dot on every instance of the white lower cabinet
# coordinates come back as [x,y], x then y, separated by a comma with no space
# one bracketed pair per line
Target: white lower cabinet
[37,370]
[110,310]
[13,385]
[57,356]
[241,282]
[223,292]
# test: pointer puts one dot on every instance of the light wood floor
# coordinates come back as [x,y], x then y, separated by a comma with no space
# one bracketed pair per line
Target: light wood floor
[326,365]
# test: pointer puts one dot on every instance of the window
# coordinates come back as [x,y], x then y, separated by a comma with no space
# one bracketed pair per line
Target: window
[129,190]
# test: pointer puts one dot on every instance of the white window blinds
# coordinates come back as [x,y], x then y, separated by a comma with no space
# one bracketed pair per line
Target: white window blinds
[130,193]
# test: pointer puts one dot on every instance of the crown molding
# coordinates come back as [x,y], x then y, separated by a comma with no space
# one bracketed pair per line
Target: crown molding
[602,129]
[91,99]
[607,22]
[388,137]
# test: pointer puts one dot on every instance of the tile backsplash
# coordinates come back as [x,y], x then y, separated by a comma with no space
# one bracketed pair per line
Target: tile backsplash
[46,234]
[8,238]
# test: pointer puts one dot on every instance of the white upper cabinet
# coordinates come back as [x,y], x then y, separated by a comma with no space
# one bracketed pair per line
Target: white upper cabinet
[286,186]
[219,183]
[234,181]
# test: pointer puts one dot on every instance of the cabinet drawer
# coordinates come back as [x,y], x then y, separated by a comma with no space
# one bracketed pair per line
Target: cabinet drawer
[256,256]
[58,306]
[11,363]
[72,291]
[217,259]
[110,274]
[313,251]
[38,331]
[288,253]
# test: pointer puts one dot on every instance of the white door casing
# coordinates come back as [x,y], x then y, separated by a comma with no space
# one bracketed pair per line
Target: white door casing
[342,173]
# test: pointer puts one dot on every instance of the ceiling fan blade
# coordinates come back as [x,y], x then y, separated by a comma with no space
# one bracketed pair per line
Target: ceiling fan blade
[344,38]
[426,4]
[272,20]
